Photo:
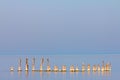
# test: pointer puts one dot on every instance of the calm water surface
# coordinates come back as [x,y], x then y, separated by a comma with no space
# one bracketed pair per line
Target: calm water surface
[7,61]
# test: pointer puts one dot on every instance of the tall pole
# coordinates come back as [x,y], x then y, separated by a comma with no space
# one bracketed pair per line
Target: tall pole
[19,65]
[41,64]
[27,66]
[33,64]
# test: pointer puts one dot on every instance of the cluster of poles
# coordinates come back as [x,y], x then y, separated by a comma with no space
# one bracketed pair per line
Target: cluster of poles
[88,67]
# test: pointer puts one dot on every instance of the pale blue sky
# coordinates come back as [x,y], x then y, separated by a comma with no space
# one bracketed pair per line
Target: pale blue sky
[59,26]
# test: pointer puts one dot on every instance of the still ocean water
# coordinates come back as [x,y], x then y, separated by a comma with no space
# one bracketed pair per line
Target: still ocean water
[59,60]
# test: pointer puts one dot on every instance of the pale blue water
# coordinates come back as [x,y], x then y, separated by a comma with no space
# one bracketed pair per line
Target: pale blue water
[7,61]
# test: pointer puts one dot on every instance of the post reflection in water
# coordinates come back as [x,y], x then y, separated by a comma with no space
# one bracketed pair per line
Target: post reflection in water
[56,76]
[106,73]
[77,75]
[103,73]
[26,74]
[55,73]
[19,73]
[48,74]
[83,73]
[98,73]
[88,72]
[11,73]
[33,73]
[71,75]
[64,75]
[74,75]
[94,73]
[41,75]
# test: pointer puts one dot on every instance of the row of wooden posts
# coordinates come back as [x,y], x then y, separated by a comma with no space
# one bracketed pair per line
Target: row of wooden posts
[103,67]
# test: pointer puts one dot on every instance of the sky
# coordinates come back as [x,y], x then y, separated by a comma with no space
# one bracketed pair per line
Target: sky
[59,27]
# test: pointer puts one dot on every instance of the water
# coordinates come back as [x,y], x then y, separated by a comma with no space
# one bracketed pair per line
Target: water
[59,60]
